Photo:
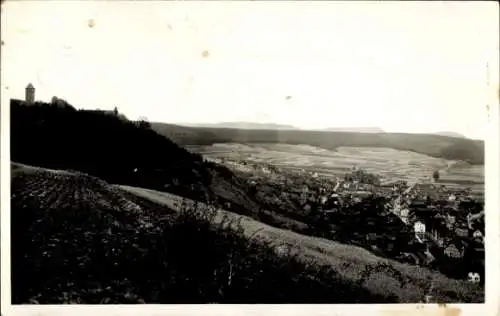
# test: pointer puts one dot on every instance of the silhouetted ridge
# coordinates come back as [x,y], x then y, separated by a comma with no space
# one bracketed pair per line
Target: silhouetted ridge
[103,144]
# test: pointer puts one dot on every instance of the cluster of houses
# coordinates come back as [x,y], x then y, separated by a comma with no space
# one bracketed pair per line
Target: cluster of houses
[434,211]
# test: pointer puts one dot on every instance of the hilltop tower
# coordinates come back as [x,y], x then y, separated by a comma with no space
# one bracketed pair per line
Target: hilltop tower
[30,94]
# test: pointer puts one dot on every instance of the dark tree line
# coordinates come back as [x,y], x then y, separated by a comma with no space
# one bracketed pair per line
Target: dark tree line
[103,145]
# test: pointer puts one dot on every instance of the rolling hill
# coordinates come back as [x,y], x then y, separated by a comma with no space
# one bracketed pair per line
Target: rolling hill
[245,125]
[104,145]
[355,129]
[119,151]
[451,148]
[450,134]
[120,244]
[188,134]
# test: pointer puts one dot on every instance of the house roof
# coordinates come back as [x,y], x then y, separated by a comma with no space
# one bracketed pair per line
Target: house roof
[477,215]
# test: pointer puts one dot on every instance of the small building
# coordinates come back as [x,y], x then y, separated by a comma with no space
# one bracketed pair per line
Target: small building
[453,252]
[419,228]
[323,199]
[450,219]
[404,214]
[462,232]
[30,94]
[330,211]
[477,234]
[474,277]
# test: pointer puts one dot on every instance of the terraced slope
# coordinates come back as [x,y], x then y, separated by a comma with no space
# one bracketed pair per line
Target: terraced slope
[77,239]
[390,164]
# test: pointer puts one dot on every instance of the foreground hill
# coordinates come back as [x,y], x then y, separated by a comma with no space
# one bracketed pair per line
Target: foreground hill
[119,151]
[78,239]
[104,145]
[438,146]
[107,145]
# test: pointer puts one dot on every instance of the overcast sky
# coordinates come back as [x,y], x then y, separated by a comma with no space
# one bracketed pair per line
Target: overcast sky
[401,66]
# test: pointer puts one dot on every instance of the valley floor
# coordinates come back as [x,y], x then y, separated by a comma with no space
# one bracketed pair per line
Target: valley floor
[390,164]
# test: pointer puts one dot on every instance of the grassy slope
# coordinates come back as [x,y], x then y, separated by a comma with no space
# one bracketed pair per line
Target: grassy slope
[78,239]
[108,147]
[349,261]
[432,145]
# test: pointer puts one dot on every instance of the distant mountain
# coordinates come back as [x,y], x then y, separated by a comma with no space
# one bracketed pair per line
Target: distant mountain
[450,134]
[455,148]
[355,129]
[245,125]
[186,133]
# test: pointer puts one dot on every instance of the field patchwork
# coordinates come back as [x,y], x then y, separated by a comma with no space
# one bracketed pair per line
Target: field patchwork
[390,164]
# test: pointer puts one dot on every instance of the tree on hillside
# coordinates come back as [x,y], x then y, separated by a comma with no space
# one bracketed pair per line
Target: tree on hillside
[363,177]
[435,175]
[61,103]
[115,111]
[144,123]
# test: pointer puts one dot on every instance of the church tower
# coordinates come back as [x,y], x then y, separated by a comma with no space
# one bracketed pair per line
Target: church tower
[30,94]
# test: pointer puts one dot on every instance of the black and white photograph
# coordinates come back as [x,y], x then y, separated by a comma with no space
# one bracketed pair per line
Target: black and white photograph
[263,152]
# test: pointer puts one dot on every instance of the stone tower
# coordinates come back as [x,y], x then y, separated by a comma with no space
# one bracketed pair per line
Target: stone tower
[30,94]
